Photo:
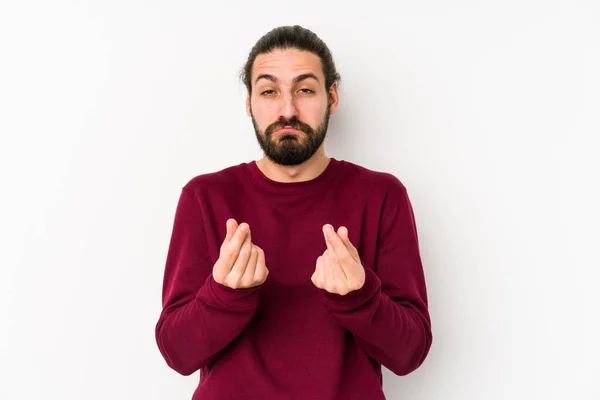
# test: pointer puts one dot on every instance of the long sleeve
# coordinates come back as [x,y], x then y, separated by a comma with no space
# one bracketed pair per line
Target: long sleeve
[388,316]
[199,317]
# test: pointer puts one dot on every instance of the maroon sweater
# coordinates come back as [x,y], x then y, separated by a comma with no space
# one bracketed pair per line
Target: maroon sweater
[287,339]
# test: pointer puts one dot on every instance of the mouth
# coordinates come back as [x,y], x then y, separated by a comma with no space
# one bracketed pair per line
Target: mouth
[287,130]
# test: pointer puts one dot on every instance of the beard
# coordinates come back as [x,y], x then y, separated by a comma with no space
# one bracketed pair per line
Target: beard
[291,149]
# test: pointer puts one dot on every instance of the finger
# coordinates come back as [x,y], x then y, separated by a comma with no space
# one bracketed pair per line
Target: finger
[337,270]
[321,275]
[231,225]
[335,244]
[343,234]
[230,251]
[326,230]
[248,277]
[314,276]
[328,260]
[338,273]
[237,271]
[261,272]
[233,246]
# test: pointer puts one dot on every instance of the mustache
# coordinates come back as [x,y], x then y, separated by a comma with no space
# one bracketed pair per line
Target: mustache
[293,122]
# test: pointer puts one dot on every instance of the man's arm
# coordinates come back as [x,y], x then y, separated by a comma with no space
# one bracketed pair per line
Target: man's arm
[200,316]
[388,316]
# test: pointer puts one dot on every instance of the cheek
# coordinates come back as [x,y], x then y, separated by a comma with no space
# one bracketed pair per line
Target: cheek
[263,112]
[263,120]
[312,112]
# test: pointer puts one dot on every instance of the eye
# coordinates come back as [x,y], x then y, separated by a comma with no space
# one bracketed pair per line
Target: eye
[305,90]
[267,92]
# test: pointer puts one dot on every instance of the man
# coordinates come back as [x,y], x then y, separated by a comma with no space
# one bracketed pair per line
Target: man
[298,275]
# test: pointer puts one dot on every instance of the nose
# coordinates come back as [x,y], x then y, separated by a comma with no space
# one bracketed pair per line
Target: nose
[288,108]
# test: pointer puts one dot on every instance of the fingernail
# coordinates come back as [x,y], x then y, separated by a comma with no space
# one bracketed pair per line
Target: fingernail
[243,227]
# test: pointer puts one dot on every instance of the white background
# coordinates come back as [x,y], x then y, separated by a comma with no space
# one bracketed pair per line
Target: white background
[486,111]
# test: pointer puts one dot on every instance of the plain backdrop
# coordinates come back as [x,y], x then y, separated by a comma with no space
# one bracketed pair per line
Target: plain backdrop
[487,111]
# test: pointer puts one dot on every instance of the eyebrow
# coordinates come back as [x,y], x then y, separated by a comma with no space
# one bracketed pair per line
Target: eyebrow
[295,80]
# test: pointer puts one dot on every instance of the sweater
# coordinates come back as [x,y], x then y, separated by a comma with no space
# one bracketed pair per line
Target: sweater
[288,339]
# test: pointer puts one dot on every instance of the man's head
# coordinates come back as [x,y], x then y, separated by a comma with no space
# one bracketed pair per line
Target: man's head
[292,90]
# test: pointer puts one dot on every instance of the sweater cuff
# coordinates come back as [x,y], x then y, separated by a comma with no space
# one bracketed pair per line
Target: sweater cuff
[228,298]
[355,299]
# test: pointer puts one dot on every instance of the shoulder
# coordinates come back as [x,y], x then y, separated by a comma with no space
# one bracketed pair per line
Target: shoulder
[374,181]
[215,180]
[382,190]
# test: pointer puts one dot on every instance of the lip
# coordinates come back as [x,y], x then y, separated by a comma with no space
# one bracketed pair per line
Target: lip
[287,130]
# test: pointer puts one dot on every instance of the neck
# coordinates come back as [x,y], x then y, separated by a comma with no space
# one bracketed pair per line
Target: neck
[308,170]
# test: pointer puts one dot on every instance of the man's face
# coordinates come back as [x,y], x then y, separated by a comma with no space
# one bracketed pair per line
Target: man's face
[289,105]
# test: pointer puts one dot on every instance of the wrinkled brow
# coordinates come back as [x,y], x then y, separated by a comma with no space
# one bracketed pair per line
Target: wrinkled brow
[296,79]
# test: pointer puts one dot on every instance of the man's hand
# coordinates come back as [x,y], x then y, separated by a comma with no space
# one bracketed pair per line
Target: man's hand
[339,269]
[241,264]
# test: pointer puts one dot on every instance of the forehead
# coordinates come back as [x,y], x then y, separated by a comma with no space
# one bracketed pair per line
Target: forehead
[286,64]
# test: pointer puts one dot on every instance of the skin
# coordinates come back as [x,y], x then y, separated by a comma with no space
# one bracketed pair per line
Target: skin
[289,85]
[283,97]
[241,263]
[339,269]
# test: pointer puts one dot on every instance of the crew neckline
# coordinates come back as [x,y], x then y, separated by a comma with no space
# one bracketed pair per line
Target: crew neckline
[305,187]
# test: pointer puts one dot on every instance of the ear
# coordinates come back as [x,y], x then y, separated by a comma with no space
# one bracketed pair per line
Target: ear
[248,103]
[333,98]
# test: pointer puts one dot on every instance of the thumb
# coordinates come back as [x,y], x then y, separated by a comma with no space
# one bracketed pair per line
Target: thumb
[231,225]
